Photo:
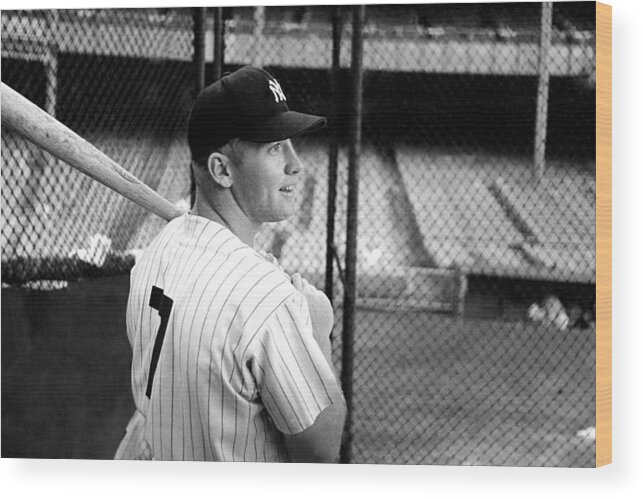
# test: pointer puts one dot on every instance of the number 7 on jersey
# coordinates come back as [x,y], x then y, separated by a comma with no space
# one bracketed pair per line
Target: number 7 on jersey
[163,304]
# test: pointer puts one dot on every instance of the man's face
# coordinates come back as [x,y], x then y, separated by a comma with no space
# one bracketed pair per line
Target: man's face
[265,178]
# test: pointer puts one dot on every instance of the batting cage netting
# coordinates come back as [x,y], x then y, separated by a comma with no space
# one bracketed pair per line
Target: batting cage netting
[474,337]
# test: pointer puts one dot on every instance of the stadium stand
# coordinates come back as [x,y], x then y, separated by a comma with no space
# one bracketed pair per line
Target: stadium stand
[558,216]
[478,235]
[382,236]
[503,37]
[76,207]
[503,225]
[507,224]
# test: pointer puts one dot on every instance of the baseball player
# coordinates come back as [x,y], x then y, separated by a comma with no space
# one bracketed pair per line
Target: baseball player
[231,356]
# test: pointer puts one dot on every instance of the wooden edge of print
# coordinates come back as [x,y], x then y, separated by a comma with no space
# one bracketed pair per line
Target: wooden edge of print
[603,234]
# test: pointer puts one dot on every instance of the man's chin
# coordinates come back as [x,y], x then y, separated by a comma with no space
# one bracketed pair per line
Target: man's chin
[278,217]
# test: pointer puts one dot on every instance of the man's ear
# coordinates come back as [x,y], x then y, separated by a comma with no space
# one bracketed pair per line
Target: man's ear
[219,169]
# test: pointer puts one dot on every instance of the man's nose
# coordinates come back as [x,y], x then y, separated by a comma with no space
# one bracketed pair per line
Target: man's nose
[293,164]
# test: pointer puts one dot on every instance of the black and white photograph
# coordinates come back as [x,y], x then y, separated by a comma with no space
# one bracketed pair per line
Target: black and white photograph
[353,234]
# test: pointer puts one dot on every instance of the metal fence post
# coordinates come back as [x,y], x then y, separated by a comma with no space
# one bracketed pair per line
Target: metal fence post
[350,293]
[198,59]
[333,151]
[51,63]
[198,67]
[218,43]
[259,24]
[540,139]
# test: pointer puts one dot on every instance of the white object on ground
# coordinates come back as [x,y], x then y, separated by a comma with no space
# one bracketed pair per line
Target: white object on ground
[587,433]
[561,321]
[45,285]
[556,313]
[535,313]
[372,257]
[96,252]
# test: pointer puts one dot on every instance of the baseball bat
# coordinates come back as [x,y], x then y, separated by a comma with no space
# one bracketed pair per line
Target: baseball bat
[23,116]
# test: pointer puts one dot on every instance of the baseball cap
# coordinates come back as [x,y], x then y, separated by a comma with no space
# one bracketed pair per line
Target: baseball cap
[248,104]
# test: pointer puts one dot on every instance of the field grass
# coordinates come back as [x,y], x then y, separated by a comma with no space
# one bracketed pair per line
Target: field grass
[433,389]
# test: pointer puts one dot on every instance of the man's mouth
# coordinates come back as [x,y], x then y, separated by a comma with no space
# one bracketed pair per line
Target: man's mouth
[289,189]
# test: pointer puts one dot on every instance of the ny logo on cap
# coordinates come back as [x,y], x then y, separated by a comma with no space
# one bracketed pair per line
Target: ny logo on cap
[276,90]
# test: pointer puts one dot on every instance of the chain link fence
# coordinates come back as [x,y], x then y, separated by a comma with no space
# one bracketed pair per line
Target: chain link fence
[121,80]
[474,340]
[475,333]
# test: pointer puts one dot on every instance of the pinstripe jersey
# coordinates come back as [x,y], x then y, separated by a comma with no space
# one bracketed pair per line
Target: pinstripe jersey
[224,360]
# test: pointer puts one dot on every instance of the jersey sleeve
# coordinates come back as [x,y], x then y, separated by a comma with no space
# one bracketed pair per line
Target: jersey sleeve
[291,373]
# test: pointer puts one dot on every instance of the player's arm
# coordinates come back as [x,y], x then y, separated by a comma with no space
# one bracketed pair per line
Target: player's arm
[321,313]
[319,307]
[298,385]
[320,442]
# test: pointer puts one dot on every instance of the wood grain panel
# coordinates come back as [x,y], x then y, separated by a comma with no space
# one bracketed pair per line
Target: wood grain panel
[603,234]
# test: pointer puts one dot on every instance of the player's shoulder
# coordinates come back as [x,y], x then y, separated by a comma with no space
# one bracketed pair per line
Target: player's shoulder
[159,243]
[267,295]
[260,284]
[168,233]
[267,272]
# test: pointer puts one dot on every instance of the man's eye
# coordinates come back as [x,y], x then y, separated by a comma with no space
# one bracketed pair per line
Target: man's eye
[275,148]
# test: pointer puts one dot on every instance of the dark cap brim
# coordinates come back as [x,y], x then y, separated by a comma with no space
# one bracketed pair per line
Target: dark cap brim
[284,126]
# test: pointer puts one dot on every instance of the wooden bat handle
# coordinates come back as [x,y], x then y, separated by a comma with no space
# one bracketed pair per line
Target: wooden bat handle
[23,116]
